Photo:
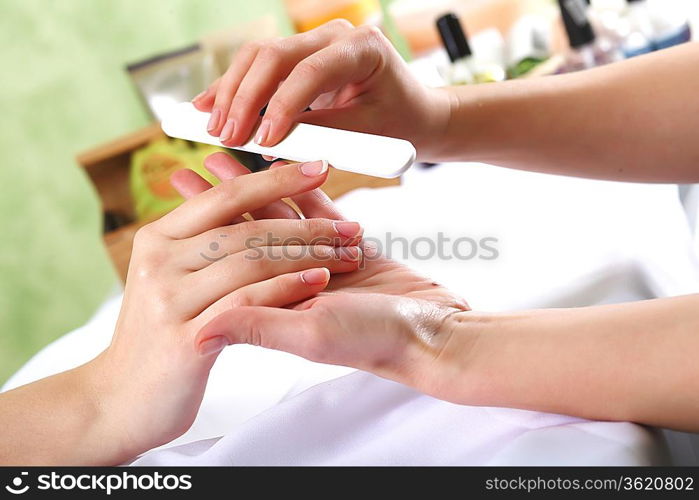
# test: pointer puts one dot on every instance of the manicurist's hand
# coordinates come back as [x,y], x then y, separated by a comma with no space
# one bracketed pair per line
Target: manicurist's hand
[187,268]
[384,317]
[387,319]
[352,78]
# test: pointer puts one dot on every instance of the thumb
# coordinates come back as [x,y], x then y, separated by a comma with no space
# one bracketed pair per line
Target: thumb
[281,329]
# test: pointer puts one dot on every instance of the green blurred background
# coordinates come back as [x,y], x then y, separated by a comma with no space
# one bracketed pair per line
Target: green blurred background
[64,90]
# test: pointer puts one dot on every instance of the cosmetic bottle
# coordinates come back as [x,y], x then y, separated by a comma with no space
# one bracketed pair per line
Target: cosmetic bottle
[465,68]
[638,29]
[587,51]
[670,24]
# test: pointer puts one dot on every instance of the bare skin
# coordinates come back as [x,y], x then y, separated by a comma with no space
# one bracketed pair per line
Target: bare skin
[632,121]
[146,387]
[632,362]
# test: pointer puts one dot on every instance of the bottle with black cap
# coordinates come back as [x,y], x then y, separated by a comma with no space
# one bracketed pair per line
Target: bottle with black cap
[586,50]
[465,68]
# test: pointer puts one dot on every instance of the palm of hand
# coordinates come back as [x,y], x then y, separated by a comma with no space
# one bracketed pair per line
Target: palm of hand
[379,316]
[387,277]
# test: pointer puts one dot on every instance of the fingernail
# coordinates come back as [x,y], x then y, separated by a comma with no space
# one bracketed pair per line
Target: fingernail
[199,95]
[262,133]
[314,168]
[227,131]
[213,121]
[348,229]
[212,345]
[315,276]
[349,254]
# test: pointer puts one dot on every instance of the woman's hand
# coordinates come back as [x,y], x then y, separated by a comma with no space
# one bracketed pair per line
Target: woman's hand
[352,78]
[186,268]
[383,318]
[190,266]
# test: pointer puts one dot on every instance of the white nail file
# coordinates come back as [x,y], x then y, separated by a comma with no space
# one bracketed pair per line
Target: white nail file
[352,151]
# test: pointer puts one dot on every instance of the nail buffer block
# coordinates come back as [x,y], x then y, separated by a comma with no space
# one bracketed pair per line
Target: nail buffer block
[351,151]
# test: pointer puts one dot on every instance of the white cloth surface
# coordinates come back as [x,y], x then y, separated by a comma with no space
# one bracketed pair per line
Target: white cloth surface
[562,242]
[690,198]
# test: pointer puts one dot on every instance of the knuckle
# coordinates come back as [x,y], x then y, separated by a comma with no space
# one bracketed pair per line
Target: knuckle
[262,257]
[280,107]
[339,24]
[254,334]
[370,32]
[240,299]
[144,235]
[323,253]
[370,37]
[271,53]
[242,100]
[284,285]
[318,228]
[250,47]
[310,68]
[225,194]
[147,265]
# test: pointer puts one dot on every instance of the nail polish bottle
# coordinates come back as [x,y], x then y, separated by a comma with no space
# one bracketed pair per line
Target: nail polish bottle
[465,68]
[587,51]
[638,29]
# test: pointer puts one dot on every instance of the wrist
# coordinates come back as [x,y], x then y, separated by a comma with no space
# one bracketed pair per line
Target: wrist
[108,430]
[435,123]
[458,371]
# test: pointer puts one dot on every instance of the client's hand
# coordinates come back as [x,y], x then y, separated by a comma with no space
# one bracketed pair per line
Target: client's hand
[192,265]
[383,318]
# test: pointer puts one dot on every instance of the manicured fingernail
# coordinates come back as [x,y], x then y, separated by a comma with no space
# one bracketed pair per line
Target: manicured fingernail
[315,276]
[227,131]
[349,254]
[348,229]
[213,121]
[199,96]
[262,133]
[212,345]
[314,168]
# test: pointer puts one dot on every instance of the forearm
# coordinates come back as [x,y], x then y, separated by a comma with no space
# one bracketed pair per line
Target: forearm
[634,121]
[629,362]
[59,421]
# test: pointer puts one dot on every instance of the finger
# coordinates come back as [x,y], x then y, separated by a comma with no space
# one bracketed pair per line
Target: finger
[224,167]
[228,86]
[189,183]
[287,330]
[326,70]
[219,205]
[279,291]
[314,204]
[273,61]
[205,100]
[202,288]
[202,250]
